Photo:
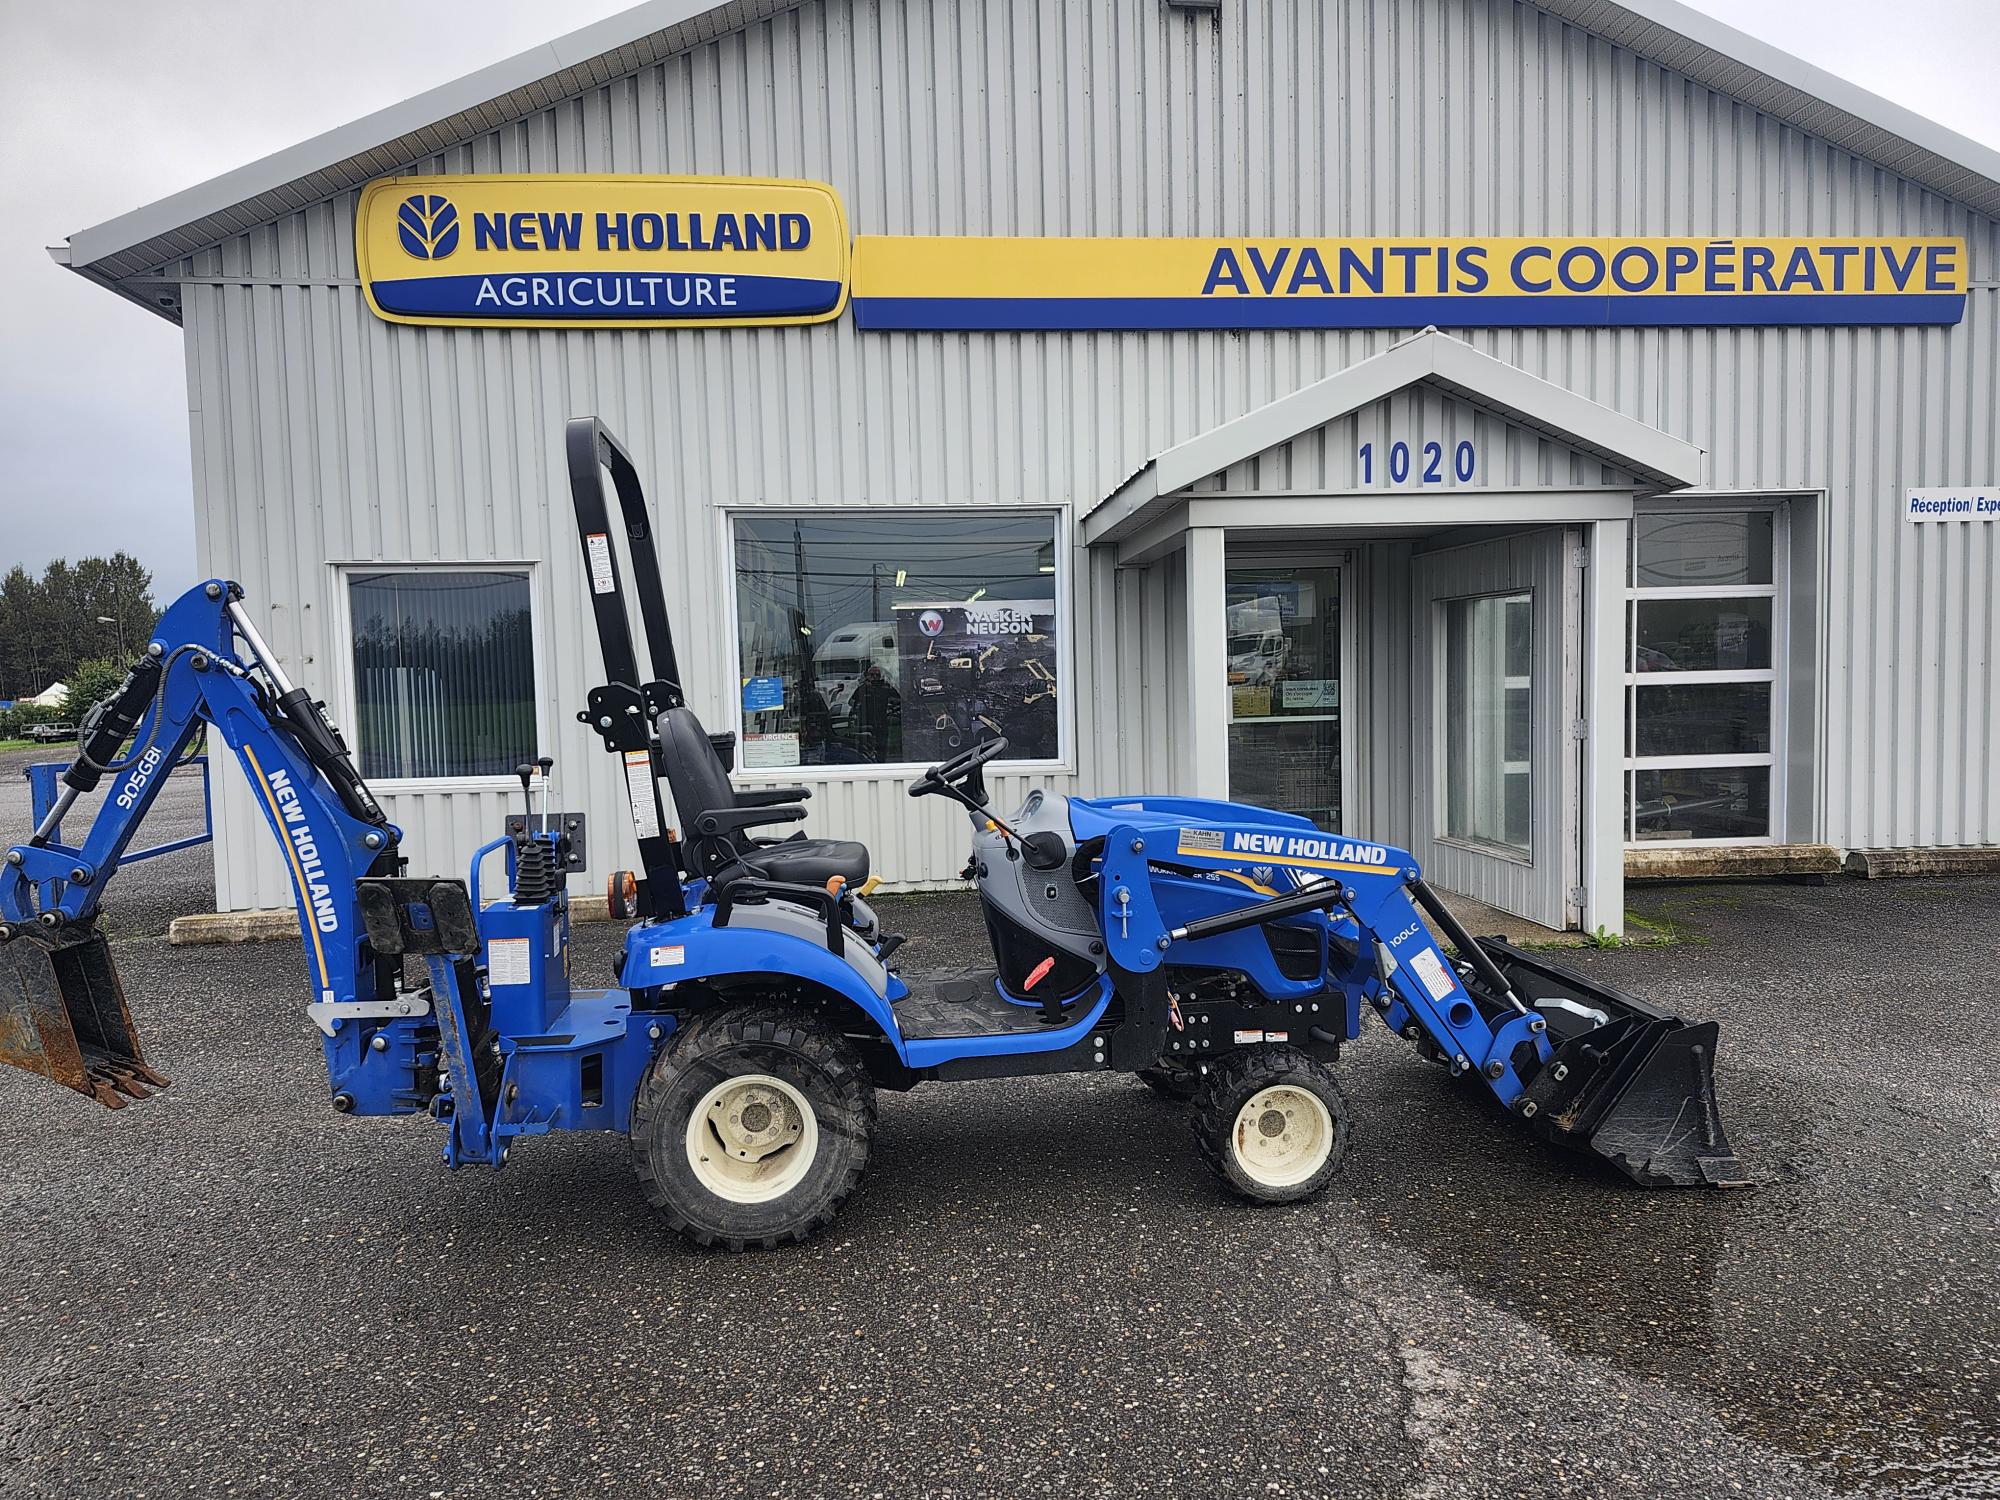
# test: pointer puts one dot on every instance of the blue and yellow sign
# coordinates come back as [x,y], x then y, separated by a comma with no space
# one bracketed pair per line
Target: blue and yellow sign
[557,251]
[934,283]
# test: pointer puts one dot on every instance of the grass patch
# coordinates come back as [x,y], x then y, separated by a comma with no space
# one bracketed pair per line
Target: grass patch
[1640,932]
[1659,929]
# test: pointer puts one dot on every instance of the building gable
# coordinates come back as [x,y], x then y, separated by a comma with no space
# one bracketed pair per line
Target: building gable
[1425,439]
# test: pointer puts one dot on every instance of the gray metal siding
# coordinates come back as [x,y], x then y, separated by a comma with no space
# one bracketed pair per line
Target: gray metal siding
[321,432]
[1382,701]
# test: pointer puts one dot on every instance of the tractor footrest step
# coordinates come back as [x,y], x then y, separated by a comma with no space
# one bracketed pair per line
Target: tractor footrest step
[961,1002]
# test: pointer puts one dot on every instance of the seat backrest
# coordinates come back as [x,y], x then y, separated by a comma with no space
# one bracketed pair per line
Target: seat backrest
[694,772]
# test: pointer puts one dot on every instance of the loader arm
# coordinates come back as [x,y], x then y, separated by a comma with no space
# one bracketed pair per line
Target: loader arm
[1580,1064]
[62,1008]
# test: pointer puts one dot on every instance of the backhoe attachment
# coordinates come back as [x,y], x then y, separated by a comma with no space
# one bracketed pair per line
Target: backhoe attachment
[63,1016]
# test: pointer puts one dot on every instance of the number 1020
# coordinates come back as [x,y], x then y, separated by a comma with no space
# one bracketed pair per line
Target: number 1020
[1464,463]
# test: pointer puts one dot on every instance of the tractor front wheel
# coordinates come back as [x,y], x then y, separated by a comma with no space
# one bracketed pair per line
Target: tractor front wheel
[1178,1084]
[1271,1123]
[752,1127]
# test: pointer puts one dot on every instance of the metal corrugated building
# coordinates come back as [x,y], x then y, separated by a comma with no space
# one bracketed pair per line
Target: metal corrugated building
[1208,493]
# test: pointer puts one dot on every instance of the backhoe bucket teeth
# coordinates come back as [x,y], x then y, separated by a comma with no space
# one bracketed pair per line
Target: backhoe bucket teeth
[63,1017]
[1628,1083]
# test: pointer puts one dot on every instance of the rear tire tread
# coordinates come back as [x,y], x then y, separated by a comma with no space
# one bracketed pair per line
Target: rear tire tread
[772,1024]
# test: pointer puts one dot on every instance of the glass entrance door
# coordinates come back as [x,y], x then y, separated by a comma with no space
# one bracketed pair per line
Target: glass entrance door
[1284,689]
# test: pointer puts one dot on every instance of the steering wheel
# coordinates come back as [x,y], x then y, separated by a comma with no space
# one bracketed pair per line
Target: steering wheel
[962,767]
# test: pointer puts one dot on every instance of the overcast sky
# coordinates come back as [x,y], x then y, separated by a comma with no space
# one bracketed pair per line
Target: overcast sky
[109,105]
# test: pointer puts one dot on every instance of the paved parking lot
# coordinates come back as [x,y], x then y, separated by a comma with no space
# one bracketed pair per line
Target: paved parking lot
[232,1290]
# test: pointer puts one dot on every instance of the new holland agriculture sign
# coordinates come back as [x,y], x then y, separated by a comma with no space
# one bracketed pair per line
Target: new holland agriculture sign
[544,252]
[563,251]
[915,282]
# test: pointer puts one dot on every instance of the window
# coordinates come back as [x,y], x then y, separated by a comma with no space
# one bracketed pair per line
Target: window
[1489,741]
[1284,689]
[444,672]
[1701,674]
[886,639]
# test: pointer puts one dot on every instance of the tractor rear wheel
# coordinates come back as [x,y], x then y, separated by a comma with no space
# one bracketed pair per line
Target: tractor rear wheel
[752,1127]
[1271,1123]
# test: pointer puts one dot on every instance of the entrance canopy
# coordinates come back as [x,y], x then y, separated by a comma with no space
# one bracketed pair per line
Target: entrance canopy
[1392,602]
[1465,422]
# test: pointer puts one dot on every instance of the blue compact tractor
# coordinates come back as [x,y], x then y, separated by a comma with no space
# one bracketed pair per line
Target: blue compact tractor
[1221,953]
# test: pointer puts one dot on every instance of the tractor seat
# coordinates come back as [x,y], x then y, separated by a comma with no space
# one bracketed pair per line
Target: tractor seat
[804,861]
[700,784]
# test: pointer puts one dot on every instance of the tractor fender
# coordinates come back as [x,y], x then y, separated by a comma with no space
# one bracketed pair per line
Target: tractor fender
[769,940]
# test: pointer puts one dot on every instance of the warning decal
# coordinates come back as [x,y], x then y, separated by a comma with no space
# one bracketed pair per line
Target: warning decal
[1431,970]
[598,546]
[509,960]
[639,789]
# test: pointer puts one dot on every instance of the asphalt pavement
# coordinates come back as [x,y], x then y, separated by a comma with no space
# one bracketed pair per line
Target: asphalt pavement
[231,1290]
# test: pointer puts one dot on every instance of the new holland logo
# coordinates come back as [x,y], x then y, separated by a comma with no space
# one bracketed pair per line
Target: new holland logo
[427,224]
[556,250]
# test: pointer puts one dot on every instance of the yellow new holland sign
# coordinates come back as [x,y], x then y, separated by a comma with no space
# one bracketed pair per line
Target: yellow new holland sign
[563,251]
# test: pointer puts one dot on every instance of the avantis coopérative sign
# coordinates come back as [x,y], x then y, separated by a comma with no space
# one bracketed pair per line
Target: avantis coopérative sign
[913,282]
[556,251]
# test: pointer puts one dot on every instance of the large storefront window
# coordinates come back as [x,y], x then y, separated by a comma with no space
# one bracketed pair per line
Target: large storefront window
[444,672]
[1702,710]
[896,639]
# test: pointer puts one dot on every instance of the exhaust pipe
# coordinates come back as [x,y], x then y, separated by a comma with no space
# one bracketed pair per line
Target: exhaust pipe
[1629,1083]
[63,1016]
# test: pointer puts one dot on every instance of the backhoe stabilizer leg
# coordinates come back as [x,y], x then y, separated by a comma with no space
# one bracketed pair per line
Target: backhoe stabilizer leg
[63,1017]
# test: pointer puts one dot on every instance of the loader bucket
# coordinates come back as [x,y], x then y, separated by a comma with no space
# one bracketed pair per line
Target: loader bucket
[63,1017]
[1629,1083]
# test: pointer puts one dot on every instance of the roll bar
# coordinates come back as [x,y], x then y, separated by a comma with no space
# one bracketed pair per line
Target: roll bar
[625,709]
[591,448]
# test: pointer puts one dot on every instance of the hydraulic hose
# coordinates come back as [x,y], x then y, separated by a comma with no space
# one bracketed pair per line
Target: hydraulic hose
[104,730]
[108,724]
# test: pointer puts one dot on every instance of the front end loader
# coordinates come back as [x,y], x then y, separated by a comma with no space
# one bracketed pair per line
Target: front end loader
[1221,952]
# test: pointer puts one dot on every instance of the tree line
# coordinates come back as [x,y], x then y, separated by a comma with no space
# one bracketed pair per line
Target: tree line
[73,613]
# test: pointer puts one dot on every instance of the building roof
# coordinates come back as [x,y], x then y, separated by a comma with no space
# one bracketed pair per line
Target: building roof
[390,140]
[1438,359]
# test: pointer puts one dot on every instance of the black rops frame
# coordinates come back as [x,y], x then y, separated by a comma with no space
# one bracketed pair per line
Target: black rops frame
[624,710]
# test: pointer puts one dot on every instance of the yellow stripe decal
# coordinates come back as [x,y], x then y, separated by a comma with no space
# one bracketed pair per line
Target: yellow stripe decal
[1201,844]
[1293,862]
[1241,879]
[291,857]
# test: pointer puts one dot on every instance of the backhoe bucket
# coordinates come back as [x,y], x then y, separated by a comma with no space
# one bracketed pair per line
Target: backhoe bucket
[63,1017]
[1628,1083]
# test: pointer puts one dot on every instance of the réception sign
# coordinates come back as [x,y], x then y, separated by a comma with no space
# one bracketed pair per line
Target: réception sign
[556,251]
[1967,503]
[940,283]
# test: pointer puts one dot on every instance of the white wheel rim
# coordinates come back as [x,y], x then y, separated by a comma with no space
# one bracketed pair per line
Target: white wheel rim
[752,1138]
[1282,1135]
